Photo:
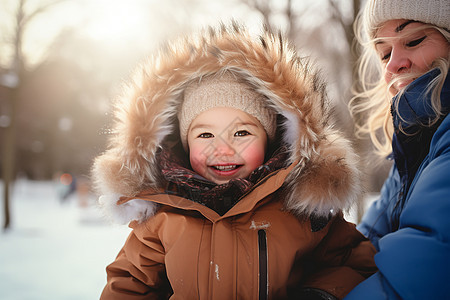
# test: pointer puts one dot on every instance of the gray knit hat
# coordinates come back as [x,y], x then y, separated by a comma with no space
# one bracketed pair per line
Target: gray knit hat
[436,12]
[223,91]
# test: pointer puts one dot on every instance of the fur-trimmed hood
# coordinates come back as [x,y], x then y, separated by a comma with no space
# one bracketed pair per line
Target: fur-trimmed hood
[325,176]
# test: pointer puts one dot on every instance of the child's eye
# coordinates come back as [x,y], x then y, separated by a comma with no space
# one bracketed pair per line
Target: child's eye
[242,133]
[205,135]
[416,42]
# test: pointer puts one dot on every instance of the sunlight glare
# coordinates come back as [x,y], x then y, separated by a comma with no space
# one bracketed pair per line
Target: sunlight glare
[114,21]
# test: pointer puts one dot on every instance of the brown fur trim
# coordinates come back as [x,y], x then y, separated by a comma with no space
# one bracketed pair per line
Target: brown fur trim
[326,176]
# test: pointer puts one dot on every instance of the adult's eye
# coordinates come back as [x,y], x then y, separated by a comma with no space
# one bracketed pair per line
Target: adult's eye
[386,56]
[416,42]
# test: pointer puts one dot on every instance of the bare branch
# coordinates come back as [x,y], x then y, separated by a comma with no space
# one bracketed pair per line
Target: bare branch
[338,17]
[290,19]
[40,10]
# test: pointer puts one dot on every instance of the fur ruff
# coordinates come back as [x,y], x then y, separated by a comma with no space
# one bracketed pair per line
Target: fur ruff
[325,177]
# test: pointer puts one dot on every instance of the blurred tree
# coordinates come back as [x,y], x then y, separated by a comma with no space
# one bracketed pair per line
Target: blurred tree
[17,73]
[54,109]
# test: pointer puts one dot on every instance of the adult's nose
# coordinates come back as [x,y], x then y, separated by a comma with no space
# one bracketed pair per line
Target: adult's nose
[399,61]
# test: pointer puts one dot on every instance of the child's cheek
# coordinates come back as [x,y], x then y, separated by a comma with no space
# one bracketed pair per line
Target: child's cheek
[197,159]
[254,155]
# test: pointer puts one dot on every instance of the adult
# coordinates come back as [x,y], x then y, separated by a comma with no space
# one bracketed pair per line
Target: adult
[405,100]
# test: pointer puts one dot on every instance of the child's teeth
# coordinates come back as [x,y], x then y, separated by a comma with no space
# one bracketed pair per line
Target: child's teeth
[226,168]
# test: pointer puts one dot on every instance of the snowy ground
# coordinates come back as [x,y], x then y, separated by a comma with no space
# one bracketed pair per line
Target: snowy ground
[56,250]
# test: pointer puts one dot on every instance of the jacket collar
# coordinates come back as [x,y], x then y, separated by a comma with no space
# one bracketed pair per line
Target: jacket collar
[411,144]
[413,107]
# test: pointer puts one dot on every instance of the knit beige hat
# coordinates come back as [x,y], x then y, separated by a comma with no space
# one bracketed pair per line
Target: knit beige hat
[436,12]
[223,91]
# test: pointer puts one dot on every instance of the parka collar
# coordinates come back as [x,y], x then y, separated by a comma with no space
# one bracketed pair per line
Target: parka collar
[258,194]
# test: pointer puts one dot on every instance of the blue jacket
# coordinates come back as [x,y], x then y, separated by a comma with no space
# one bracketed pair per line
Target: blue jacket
[410,223]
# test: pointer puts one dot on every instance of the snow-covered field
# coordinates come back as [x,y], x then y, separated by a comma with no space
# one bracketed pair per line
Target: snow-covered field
[55,250]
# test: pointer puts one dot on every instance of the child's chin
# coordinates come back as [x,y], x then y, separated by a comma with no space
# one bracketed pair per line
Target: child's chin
[220,181]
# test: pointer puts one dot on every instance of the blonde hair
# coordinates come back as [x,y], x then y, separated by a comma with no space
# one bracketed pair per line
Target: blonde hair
[370,106]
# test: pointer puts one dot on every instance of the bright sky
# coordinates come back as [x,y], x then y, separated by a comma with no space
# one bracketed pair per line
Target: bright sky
[115,19]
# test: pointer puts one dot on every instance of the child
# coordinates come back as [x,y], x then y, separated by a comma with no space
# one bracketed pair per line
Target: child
[224,159]
[406,100]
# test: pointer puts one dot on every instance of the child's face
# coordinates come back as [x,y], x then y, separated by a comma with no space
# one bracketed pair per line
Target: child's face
[226,143]
[405,49]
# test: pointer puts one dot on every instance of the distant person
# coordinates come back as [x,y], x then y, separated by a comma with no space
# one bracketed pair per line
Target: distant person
[225,159]
[404,106]
[66,186]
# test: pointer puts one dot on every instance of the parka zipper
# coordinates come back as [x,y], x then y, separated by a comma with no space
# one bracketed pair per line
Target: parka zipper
[263,278]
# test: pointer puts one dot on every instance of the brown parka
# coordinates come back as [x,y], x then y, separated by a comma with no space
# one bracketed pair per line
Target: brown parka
[285,234]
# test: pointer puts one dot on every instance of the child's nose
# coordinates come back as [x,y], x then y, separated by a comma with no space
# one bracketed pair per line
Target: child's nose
[223,148]
[399,61]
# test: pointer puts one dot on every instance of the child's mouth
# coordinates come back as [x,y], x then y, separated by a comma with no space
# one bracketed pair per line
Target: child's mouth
[226,168]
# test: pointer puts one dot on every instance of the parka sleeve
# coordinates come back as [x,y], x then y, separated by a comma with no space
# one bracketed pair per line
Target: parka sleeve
[342,260]
[138,271]
[414,261]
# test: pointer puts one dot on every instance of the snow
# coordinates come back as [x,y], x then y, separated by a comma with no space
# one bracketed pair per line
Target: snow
[55,250]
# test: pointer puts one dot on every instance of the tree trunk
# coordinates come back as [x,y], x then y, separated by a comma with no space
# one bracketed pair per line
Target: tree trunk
[9,155]
[9,158]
